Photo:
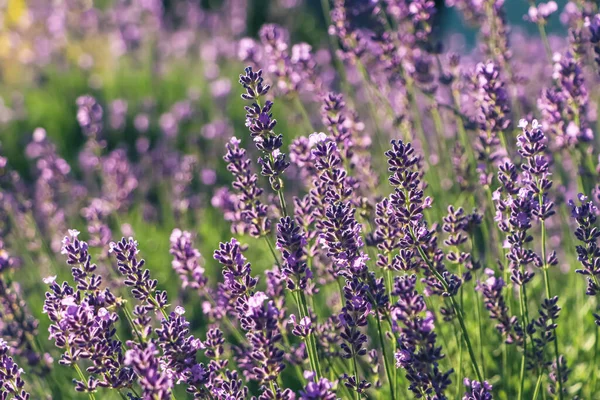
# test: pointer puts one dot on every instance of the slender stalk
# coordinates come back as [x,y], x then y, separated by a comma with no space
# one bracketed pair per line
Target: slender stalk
[129,319]
[303,112]
[538,385]
[311,345]
[459,383]
[272,250]
[478,306]
[333,44]
[272,159]
[522,302]
[385,358]
[457,310]
[83,380]
[355,365]
[548,296]
[594,373]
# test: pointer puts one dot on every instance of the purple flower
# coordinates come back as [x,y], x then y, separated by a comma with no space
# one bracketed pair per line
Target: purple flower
[143,287]
[186,260]
[251,214]
[588,252]
[418,353]
[291,241]
[236,270]
[260,122]
[593,24]
[155,383]
[477,390]
[83,323]
[492,290]
[11,382]
[179,351]
[493,115]
[320,389]
[89,116]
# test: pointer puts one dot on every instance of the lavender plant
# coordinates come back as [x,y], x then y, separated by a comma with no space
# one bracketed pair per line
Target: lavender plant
[347,263]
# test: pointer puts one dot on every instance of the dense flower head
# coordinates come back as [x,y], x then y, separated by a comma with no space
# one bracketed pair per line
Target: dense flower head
[250,213]
[261,123]
[588,253]
[179,350]
[89,115]
[340,237]
[536,168]
[11,382]
[19,328]
[236,269]
[143,287]
[493,114]
[418,353]
[258,318]
[83,322]
[492,290]
[593,24]
[477,390]
[155,383]
[409,203]
[186,260]
[320,389]
[563,104]
[291,241]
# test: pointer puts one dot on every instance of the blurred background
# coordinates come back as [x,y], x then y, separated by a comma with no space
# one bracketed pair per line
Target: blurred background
[53,51]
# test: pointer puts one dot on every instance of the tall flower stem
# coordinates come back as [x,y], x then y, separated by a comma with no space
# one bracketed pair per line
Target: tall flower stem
[549,295]
[300,106]
[272,250]
[541,24]
[538,385]
[523,357]
[311,346]
[457,310]
[385,358]
[339,65]
[355,366]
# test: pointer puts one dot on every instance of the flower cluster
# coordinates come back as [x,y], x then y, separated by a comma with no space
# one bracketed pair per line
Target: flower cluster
[84,322]
[418,352]
[260,122]
[186,260]
[250,213]
[11,382]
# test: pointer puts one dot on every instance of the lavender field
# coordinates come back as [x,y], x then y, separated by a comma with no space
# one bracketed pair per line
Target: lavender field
[287,199]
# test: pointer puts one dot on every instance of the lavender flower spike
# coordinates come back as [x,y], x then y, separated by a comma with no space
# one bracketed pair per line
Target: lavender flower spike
[477,390]
[260,122]
[155,383]
[10,376]
[186,260]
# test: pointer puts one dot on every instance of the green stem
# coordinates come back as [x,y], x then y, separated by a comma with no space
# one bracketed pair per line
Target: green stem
[83,380]
[303,112]
[385,358]
[272,250]
[339,65]
[548,296]
[478,306]
[459,383]
[523,357]
[129,319]
[594,373]
[456,308]
[538,385]
[355,365]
